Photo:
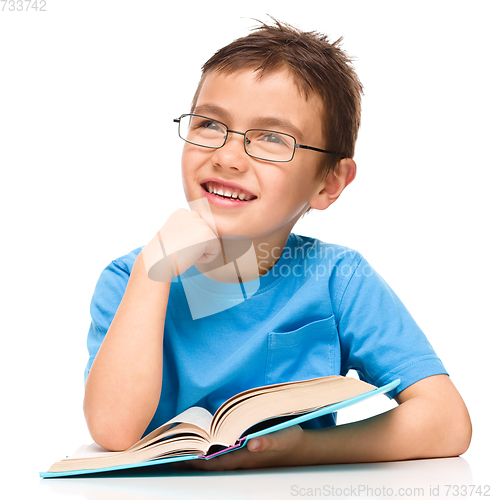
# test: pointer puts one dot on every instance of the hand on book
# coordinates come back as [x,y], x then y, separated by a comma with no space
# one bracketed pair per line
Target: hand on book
[279,449]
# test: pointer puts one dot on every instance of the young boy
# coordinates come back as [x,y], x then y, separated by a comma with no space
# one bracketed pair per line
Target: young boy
[270,136]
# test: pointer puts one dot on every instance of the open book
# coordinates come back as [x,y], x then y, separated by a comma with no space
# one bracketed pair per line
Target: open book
[196,434]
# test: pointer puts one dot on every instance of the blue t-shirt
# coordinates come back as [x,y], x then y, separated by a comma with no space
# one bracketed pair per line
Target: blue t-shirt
[321,310]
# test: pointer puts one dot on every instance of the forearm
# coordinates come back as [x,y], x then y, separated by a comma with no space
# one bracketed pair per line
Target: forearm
[125,380]
[386,437]
[420,427]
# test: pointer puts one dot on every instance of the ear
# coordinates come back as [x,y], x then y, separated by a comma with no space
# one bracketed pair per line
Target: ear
[336,181]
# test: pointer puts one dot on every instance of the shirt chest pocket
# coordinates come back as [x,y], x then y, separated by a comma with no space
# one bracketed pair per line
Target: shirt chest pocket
[308,352]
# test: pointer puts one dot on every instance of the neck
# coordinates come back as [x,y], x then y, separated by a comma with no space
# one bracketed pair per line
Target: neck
[268,253]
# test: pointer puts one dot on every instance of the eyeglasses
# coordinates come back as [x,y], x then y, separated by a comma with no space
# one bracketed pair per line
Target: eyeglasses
[258,143]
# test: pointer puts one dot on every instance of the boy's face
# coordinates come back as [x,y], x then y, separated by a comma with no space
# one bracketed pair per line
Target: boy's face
[282,190]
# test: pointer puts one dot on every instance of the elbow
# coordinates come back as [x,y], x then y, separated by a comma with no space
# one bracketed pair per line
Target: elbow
[111,437]
[457,437]
[462,435]
[112,441]
[109,434]
[439,420]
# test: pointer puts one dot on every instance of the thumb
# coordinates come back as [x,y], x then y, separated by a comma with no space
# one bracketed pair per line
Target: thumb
[277,441]
[262,444]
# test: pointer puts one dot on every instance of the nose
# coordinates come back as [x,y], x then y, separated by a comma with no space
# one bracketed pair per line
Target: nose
[232,154]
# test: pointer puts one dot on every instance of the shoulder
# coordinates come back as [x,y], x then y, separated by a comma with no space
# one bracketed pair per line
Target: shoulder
[114,277]
[125,262]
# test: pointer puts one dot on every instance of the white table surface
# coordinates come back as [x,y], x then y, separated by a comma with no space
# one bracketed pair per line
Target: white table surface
[416,478]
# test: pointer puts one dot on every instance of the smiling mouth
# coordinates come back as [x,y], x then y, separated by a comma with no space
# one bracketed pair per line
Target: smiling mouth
[227,193]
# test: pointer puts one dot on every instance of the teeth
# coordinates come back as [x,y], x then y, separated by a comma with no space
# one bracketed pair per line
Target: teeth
[227,193]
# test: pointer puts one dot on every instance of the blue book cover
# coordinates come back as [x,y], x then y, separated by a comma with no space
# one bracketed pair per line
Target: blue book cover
[166,439]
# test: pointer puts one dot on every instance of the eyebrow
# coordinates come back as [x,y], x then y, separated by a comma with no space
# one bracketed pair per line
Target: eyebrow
[211,108]
[267,121]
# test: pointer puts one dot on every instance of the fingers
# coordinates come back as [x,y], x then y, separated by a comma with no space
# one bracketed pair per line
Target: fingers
[183,240]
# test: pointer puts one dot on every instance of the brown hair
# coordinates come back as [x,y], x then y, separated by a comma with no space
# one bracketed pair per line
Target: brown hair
[318,67]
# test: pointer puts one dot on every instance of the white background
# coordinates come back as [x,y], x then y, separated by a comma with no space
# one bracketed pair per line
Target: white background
[90,163]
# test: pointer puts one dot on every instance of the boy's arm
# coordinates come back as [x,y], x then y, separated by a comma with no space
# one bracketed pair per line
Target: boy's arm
[124,384]
[431,421]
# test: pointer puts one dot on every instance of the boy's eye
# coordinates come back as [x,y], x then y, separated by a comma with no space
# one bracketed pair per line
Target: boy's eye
[210,125]
[273,138]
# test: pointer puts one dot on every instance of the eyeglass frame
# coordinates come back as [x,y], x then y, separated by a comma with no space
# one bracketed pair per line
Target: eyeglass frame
[228,131]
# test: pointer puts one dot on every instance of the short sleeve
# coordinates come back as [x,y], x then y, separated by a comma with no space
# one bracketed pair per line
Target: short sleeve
[108,293]
[379,338]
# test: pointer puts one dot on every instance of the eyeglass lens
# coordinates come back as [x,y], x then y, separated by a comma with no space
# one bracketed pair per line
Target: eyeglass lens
[264,144]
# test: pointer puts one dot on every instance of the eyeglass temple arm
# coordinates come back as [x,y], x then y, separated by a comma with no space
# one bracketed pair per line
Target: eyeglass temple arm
[301,146]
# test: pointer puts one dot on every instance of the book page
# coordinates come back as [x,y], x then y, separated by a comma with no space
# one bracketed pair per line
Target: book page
[166,440]
[291,398]
[196,416]
[174,447]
